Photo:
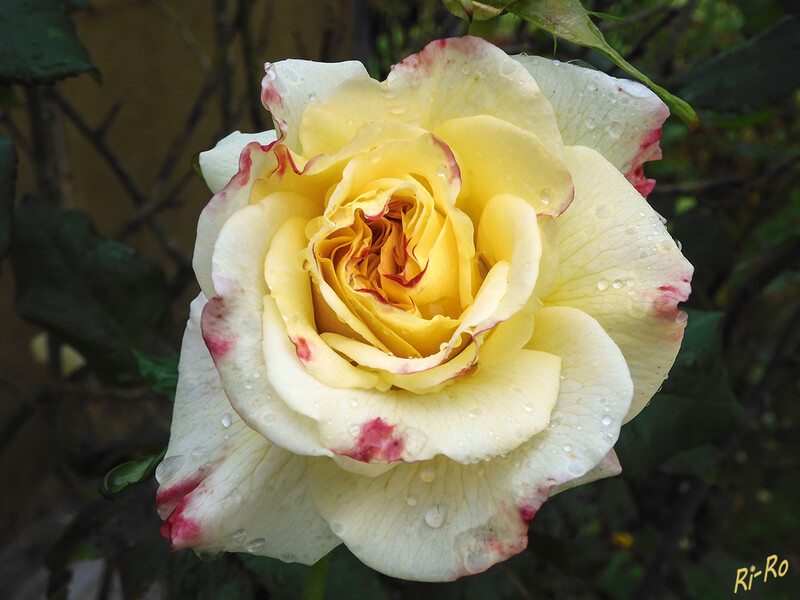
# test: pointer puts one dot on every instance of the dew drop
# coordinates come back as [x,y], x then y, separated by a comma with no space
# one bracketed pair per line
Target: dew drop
[354,403]
[679,245]
[681,317]
[198,452]
[239,536]
[465,69]
[545,196]
[556,63]
[630,283]
[575,469]
[411,501]
[591,87]
[255,545]
[288,557]
[608,437]
[427,474]
[567,448]
[615,129]
[435,516]
[528,408]
[337,527]
[602,285]
[617,284]
[474,413]
[591,123]
[606,420]
[248,385]
[168,467]
[508,69]
[396,110]
[354,430]
[226,420]
[312,97]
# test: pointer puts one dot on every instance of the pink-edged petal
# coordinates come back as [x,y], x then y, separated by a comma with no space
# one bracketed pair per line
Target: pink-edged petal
[619,264]
[218,474]
[439,520]
[289,86]
[254,161]
[497,157]
[619,118]
[479,415]
[448,79]
[232,322]
[290,286]
[608,467]
[221,163]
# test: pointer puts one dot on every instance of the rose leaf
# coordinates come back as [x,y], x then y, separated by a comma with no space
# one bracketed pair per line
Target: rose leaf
[97,295]
[38,42]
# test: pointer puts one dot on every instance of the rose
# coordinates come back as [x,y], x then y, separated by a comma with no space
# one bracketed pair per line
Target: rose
[428,305]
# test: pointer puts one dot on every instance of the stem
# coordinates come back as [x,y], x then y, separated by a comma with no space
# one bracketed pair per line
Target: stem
[314,586]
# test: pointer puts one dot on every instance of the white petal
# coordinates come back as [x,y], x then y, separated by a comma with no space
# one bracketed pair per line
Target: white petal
[254,161]
[618,263]
[438,520]
[619,118]
[221,163]
[232,322]
[291,85]
[219,475]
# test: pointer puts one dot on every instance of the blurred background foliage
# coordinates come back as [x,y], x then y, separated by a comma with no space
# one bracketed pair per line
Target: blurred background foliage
[104,104]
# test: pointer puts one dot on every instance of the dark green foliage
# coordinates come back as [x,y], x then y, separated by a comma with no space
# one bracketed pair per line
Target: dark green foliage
[8,175]
[39,44]
[750,76]
[97,295]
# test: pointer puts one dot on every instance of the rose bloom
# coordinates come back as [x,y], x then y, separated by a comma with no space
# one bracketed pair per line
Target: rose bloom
[427,306]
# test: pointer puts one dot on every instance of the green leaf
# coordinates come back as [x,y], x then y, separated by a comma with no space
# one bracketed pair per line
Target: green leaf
[8,175]
[161,372]
[38,43]
[128,473]
[695,407]
[97,295]
[568,19]
[750,76]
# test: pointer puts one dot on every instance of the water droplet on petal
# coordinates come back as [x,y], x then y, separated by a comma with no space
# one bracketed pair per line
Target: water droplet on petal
[575,469]
[255,545]
[435,516]
[528,408]
[556,63]
[248,385]
[411,500]
[602,285]
[198,452]
[337,527]
[567,448]
[606,420]
[545,196]
[168,467]
[591,87]
[615,129]
[226,420]
[474,413]
[239,536]
[591,123]
[617,284]
[427,474]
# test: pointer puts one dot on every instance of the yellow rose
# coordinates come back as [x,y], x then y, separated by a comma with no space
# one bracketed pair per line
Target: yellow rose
[428,305]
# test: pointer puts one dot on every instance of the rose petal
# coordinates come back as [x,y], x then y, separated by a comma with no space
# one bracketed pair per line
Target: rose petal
[254,161]
[291,85]
[619,118]
[221,163]
[439,520]
[290,286]
[218,474]
[232,322]
[430,88]
[497,157]
[483,414]
[619,264]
